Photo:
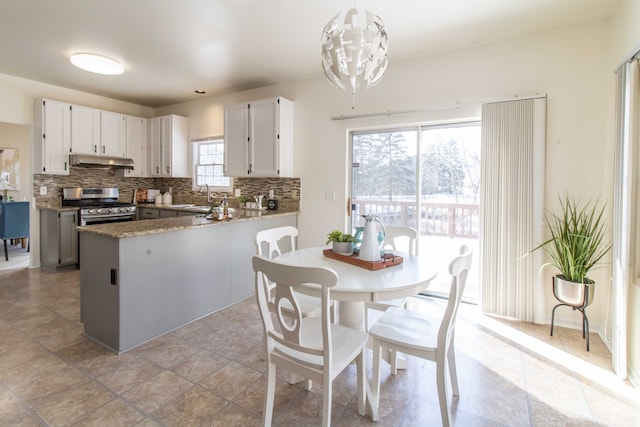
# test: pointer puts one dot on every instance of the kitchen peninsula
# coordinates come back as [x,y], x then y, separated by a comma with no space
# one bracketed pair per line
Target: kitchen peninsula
[142,279]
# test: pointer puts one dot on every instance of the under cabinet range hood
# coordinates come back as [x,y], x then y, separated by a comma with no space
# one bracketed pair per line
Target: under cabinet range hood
[102,162]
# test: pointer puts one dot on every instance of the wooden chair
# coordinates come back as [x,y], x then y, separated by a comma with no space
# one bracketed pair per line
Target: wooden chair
[429,336]
[311,347]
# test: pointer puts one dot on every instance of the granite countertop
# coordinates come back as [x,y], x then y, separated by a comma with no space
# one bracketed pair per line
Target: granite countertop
[119,230]
[59,208]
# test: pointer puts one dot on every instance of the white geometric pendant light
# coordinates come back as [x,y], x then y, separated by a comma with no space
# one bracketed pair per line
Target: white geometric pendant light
[354,50]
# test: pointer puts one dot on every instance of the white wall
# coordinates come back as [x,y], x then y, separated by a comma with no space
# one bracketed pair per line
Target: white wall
[569,65]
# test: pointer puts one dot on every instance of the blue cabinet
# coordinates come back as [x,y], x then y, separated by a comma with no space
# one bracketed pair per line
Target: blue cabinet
[14,222]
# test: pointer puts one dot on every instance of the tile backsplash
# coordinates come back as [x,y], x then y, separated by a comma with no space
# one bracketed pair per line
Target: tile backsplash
[286,190]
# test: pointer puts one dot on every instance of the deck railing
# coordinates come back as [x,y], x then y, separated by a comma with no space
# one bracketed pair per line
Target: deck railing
[438,219]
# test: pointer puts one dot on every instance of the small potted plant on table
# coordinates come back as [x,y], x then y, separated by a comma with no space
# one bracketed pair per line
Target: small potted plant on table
[342,242]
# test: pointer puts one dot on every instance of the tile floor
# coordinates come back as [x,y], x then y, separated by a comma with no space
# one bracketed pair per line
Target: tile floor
[18,256]
[210,373]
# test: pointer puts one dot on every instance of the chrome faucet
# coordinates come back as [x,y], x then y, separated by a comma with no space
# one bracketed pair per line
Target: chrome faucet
[209,196]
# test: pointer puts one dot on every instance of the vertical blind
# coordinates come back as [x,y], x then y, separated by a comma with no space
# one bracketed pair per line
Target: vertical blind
[512,207]
[625,194]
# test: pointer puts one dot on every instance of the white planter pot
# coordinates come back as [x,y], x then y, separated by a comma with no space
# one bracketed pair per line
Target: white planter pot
[573,293]
[343,248]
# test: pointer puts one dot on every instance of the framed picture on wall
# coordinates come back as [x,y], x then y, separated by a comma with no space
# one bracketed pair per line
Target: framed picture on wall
[9,169]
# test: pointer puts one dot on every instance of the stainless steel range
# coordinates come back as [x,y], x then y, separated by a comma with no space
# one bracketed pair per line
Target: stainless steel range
[98,205]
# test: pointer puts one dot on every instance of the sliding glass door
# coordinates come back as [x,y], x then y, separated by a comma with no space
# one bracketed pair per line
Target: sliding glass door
[427,178]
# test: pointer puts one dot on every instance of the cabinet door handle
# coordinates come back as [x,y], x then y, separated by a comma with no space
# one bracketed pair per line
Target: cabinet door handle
[65,165]
[158,169]
[95,148]
[103,150]
[168,169]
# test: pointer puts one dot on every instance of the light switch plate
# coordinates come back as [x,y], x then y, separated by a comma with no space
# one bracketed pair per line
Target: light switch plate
[238,192]
[43,191]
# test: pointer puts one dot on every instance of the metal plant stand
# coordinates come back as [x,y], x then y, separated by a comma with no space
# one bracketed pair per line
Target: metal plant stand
[580,304]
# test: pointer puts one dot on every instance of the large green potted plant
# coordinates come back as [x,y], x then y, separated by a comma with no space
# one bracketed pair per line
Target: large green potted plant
[576,245]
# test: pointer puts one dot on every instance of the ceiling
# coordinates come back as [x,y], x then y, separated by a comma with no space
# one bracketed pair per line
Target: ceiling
[170,48]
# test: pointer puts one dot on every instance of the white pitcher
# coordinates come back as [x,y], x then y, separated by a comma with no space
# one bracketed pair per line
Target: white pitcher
[370,247]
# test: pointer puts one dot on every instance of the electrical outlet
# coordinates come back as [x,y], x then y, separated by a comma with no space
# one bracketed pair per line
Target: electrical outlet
[271,194]
[43,191]
[238,192]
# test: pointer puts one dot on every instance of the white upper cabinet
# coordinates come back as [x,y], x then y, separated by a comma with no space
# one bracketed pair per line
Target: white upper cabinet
[97,132]
[112,134]
[259,138]
[168,146]
[236,140]
[52,133]
[136,143]
[85,130]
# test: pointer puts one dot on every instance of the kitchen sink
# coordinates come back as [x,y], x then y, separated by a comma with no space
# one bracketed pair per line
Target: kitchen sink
[197,208]
[191,207]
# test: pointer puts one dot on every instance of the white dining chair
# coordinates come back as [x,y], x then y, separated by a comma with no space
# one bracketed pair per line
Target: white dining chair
[312,347]
[267,245]
[429,336]
[400,238]
[396,238]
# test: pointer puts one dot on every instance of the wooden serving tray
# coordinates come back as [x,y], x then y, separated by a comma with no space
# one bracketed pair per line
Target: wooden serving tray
[387,261]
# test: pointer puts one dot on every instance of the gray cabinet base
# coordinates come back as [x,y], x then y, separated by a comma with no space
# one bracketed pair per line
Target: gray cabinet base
[136,289]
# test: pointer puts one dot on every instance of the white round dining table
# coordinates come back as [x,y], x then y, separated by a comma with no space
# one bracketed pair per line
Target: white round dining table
[357,285]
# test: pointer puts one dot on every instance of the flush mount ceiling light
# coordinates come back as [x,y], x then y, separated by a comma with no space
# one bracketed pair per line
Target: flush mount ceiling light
[97,63]
[354,50]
